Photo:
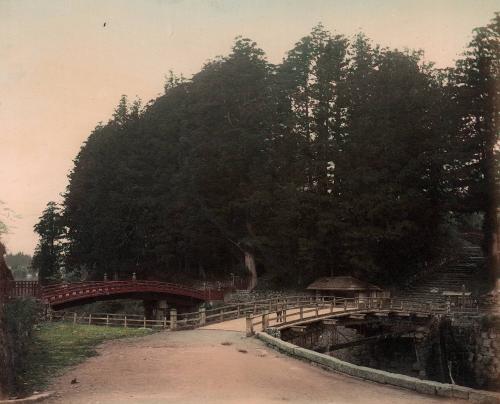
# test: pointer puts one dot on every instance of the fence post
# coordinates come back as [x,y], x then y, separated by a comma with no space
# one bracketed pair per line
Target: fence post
[164,322]
[107,320]
[254,307]
[249,326]
[301,312]
[173,319]
[334,302]
[238,310]
[144,322]
[125,321]
[284,314]
[331,306]
[317,309]
[345,304]
[90,318]
[265,320]
[74,318]
[203,316]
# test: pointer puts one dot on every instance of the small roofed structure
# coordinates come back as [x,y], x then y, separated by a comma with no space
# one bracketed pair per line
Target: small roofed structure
[345,286]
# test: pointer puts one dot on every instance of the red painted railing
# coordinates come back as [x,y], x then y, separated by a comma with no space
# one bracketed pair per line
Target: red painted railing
[69,292]
[65,293]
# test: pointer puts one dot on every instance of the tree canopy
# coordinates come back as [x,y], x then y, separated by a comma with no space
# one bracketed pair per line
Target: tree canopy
[346,158]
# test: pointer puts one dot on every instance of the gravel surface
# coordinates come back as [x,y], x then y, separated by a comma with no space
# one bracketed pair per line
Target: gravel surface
[212,366]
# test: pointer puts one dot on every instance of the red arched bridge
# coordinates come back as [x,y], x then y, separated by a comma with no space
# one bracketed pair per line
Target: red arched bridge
[78,293]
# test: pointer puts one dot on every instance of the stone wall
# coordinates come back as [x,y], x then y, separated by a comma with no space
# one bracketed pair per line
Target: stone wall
[380,376]
[484,356]
[244,296]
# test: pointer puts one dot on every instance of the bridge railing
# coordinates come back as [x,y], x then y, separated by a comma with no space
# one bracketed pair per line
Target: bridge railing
[61,293]
[325,306]
[261,314]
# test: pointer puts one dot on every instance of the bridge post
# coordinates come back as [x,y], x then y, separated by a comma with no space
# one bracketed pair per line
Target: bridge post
[173,319]
[265,320]
[203,316]
[249,325]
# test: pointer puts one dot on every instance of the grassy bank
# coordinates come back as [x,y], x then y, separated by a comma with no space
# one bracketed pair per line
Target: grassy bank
[57,346]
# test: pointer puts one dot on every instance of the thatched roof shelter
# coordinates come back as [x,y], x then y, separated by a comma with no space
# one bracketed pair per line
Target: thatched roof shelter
[342,283]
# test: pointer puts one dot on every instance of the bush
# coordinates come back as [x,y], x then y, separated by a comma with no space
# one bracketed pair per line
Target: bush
[18,319]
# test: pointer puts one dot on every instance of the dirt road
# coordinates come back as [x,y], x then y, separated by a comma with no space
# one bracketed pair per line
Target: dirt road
[212,366]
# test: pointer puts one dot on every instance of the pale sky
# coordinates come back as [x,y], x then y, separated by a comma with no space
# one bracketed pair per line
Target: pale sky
[61,71]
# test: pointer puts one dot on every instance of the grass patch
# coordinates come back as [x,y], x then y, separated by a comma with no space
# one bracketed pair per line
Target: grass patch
[58,345]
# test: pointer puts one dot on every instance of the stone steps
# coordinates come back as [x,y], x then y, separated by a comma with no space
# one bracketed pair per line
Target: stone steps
[451,278]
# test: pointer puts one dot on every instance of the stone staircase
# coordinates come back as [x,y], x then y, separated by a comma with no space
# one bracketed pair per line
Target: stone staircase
[452,277]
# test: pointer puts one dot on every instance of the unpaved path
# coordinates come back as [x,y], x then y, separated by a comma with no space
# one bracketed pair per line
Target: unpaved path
[196,367]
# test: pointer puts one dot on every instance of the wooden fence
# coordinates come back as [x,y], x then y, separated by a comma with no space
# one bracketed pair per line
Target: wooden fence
[12,289]
[264,313]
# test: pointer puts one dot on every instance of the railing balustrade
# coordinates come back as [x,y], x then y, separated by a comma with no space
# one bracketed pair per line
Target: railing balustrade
[269,312]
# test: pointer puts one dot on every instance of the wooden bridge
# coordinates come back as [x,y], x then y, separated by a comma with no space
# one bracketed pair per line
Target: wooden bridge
[77,293]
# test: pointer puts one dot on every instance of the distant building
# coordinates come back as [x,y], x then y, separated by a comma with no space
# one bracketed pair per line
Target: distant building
[345,286]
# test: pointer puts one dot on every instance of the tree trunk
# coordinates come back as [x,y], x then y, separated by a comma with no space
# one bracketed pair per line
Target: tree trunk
[250,266]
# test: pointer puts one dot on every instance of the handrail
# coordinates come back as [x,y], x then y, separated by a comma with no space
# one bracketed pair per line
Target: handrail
[354,305]
[278,311]
[63,293]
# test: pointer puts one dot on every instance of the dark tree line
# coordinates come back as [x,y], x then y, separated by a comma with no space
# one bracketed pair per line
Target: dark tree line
[344,158]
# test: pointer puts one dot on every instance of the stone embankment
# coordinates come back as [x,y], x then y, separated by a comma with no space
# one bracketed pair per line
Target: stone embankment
[484,356]
[243,296]
[380,376]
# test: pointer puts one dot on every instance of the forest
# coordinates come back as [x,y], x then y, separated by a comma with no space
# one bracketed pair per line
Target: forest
[345,158]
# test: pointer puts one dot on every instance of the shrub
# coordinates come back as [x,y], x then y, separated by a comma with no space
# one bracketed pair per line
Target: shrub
[18,319]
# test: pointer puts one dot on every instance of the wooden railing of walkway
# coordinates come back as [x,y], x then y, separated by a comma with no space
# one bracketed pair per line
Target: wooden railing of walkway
[264,313]
[327,306]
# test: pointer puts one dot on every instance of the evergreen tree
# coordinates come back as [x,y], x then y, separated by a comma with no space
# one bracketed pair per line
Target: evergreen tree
[476,88]
[48,256]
